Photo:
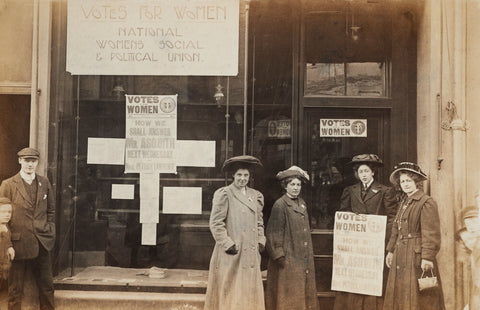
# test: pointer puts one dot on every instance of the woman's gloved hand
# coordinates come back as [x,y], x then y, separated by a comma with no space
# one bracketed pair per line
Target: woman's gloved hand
[281,261]
[232,250]
[261,248]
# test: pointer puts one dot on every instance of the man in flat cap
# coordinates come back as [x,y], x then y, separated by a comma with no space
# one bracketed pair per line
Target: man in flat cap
[33,229]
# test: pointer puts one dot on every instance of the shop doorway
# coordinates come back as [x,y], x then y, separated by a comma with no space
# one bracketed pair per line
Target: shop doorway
[14,131]
[326,158]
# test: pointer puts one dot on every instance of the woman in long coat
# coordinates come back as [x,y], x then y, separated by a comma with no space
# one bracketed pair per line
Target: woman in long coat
[366,197]
[236,223]
[291,271]
[414,243]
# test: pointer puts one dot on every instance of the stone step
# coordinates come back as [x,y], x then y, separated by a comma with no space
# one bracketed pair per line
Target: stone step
[116,300]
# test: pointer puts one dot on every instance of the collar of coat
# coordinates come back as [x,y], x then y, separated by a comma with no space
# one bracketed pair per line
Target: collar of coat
[295,204]
[417,195]
[248,199]
[375,188]
[41,190]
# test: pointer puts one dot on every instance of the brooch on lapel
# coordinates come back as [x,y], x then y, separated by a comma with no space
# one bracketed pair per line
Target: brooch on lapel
[303,206]
[375,190]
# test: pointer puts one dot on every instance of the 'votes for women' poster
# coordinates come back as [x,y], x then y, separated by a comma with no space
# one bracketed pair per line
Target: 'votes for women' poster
[151,134]
[358,253]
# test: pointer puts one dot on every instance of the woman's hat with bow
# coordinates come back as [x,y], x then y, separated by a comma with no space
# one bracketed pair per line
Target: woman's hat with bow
[295,172]
[407,166]
[243,161]
[371,159]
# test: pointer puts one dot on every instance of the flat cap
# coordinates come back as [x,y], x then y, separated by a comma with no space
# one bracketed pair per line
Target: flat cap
[295,172]
[29,152]
[238,162]
[372,159]
[407,166]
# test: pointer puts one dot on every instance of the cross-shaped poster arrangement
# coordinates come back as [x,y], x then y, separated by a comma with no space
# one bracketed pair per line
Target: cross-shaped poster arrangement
[151,147]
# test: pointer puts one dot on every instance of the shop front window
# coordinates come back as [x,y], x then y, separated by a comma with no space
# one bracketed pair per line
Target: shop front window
[106,224]
[347,79]
[346,52]
[98,220]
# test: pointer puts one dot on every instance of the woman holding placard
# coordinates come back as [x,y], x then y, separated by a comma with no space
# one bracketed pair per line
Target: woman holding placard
[236,223]
[366,197]
[414,243]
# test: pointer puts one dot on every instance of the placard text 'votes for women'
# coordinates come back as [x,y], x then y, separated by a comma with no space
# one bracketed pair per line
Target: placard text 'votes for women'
[358,253]
[151,134]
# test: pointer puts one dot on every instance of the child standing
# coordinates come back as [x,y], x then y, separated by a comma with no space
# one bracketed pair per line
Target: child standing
[6,250]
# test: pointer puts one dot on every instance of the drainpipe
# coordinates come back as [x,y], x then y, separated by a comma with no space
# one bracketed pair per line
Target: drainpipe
[245,79]
[458,127]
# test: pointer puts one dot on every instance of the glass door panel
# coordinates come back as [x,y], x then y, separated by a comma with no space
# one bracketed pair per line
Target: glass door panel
[326,159]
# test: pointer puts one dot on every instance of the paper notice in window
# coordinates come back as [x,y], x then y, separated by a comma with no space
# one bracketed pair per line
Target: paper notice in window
[106,151]
[123,191]
[192,153]
[149,197]
[182,200]
[149,234]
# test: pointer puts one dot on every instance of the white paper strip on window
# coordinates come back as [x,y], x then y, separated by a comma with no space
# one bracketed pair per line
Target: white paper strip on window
[192,153]
[149,234]
[106,151]
[123,191]
[182,200]
[149,197]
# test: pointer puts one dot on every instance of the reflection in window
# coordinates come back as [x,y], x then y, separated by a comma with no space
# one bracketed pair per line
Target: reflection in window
[365,79]
[362,79]
[325,79]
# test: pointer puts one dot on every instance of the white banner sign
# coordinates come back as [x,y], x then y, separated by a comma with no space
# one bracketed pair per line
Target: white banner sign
[151,133]
[358,253]
[153,37]
[343,127]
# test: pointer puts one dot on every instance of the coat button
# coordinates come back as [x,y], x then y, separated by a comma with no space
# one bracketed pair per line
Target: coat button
[398,267]
[304,229]
[305,243]
[306,271]
[409,235]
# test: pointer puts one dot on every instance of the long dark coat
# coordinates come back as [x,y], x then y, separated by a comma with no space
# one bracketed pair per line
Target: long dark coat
[288,234]
[30,223]
[235,281]
[379,200]
[415,236]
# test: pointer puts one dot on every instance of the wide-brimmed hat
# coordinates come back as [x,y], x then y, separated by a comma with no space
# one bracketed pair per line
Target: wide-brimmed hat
[242,161]
[407,166]
[294,171]
[29,152]
[371,159]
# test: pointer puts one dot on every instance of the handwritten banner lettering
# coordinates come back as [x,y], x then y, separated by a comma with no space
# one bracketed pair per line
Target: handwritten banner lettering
[153,37]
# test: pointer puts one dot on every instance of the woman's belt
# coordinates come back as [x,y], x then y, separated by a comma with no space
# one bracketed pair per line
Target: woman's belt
[410,236]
